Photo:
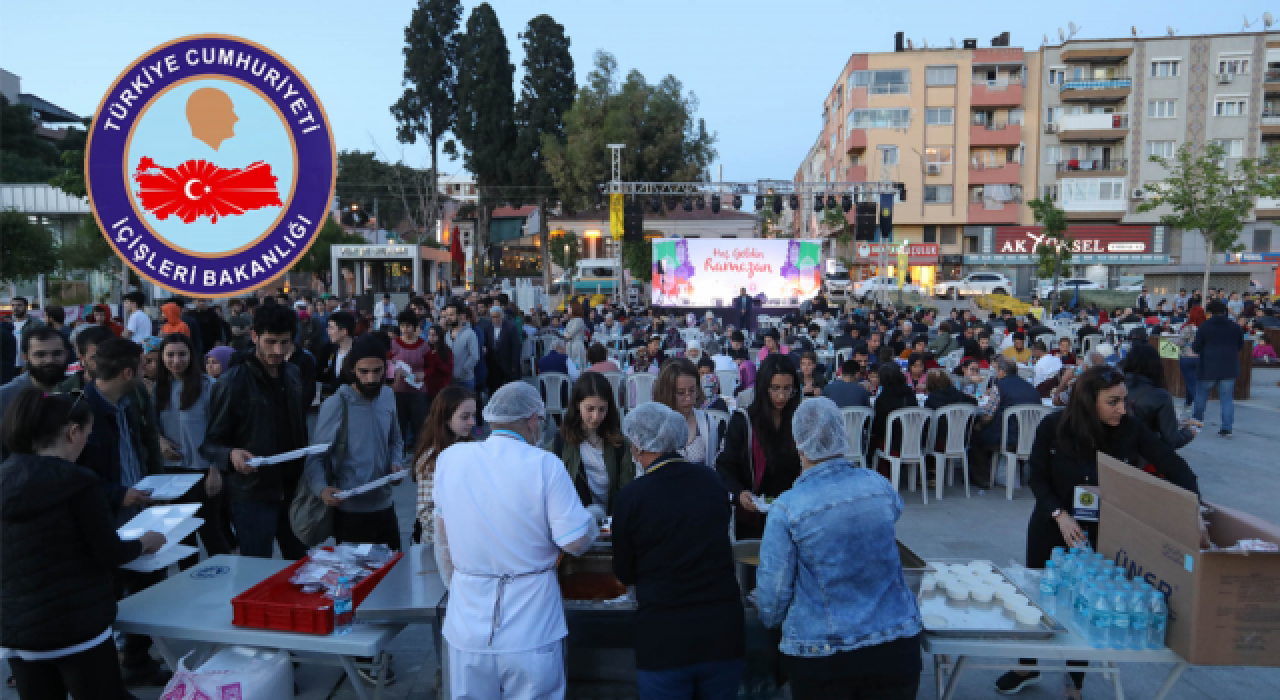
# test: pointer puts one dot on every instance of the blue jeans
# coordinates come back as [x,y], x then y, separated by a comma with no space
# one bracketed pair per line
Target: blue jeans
[260,523]
[1226,395]
[711,680]
[1189,367]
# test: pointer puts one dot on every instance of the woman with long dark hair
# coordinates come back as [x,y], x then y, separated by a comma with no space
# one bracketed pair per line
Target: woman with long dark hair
[437,363]
[58,554]
[1149,399]
[679,388]
[450,420]
[1065,456]
[591,445]
[759,456]
[182,400]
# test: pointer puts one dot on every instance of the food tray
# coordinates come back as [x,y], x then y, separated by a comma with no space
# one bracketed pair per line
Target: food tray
[974,620]
[276,604]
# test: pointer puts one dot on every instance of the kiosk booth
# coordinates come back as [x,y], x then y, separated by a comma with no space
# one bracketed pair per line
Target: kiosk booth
[392,268]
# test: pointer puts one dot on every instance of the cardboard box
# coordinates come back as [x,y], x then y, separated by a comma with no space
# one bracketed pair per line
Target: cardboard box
[1224,607]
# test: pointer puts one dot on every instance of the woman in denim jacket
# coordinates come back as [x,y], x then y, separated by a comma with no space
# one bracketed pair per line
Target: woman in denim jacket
[831,577]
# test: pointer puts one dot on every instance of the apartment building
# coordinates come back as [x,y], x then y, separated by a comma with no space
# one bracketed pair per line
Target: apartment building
[975,132]
[952,125]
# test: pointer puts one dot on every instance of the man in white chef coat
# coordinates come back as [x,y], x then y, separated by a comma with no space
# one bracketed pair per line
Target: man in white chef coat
[504,510]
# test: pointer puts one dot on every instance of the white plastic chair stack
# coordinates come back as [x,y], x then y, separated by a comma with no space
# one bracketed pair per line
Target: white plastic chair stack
[639,388]
[952,360]
[1090,343]
[728,381]
[857,426]
[1027,418]
[616,380]
[551,384]
[960,418]
[912,422]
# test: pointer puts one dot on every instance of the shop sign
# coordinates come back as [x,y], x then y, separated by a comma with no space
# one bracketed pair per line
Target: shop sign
[917,253]
[1076,259]
[1016,240]
[375,251]
[1243,258]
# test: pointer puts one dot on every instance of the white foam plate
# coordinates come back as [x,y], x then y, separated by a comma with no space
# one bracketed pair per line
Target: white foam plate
[162,559]
[168,487]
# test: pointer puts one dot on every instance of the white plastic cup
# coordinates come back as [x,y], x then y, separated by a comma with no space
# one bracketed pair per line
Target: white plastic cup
[1028,615]
[982,593]
[1015,601]
[958,592]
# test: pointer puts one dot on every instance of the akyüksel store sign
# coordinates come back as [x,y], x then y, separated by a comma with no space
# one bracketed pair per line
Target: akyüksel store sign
[1012,245]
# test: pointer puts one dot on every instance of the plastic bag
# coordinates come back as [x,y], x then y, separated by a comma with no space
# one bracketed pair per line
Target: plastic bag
[234,673]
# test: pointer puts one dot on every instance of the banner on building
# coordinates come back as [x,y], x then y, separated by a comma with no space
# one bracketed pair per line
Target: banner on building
[710,272]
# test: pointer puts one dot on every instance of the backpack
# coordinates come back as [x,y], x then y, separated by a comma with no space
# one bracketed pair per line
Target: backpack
[309,516]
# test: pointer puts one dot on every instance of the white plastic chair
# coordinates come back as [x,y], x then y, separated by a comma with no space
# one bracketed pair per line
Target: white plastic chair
[616,380]
[857,426]
[1089,343]
[1027,419]
[550,384]
[639,388]
[913,422]
[960,418]
[842,356]
[527,358]
[721,419]
[746,397]
[728,381]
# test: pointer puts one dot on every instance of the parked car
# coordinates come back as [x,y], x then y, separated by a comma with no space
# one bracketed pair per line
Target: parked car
[872,285]
[1067,286]
[975,283]
[836,284]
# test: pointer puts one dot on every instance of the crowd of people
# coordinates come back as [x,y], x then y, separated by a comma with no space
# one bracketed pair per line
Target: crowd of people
[440,392]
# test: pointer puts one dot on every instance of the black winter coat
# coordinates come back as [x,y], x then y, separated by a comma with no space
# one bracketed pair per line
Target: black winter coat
[1056,473]
[736,466]
[243,414]
[58,552]
[1153,407]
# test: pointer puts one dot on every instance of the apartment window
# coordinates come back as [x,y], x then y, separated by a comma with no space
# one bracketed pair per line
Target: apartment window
[938,154]
[1233,65]
[1088,191]
[948,235]
[833,175]
[1262,240]
[940,75]
[1017,116]
[1052,155]
[1157,239]
[1050,192]
[839,96]
[833,139]
[1162,109]
[1057,76]
[1164,69]
[930,232]
[1163,149]
[1230,107]
[880,119]
[940,115]
[888,155]
[973,245]
[881,82]
[936,194]
[1231,148]
[1052,114]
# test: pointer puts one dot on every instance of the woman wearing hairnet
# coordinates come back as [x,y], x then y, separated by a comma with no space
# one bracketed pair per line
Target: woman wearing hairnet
[758,456]
[671,540]
[830,575]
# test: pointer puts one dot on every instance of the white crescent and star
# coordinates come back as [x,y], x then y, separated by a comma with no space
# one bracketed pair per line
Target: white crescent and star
[195,181]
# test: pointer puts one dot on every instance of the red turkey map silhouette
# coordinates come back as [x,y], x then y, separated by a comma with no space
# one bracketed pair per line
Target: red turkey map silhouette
[199,188]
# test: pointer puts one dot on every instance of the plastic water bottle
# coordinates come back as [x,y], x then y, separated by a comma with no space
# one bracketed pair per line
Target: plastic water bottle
[1121,619]
[1058,554]
[343,608]
[1159,621]
[1139,618]
[1081,602]
[1099,616]
[1049,583]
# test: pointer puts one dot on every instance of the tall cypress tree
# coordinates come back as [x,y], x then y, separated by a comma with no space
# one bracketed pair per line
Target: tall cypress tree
[486,112]
[546,93]
[429,105]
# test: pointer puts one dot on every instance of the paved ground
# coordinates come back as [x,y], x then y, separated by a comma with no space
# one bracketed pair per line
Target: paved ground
[1241,472]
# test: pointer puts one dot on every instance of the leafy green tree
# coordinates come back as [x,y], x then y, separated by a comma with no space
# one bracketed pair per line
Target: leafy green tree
[837,223]
[24,155]
[558,244]
[1205,197]
[486,113]
[27,250]
[1054,248]
[637,256]
[665,142]
[546,93]
[399,191]
[429,106]
[87,249]
[318,259]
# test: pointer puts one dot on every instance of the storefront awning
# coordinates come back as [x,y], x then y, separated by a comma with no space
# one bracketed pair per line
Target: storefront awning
[502,230]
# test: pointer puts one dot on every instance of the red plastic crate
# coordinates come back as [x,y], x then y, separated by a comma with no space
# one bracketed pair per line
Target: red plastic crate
[276,604]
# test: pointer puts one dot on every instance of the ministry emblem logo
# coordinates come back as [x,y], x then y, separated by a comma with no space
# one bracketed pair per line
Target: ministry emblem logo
[210,165]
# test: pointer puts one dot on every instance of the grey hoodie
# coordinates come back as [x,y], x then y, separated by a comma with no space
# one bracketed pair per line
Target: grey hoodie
[466,351]
[373,446]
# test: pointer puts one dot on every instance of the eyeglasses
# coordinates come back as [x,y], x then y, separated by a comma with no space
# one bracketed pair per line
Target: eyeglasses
[786,391]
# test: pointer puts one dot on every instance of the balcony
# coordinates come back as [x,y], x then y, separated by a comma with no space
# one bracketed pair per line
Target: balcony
[1093,127]
[1093,200]
[1101,54]
[855,140]
[1114,89]
[1093,168]
[1266,208]
[995,93]
[993,213]
[981,173]
[856,173]
[1270,127]
[995,134]
[1271,80]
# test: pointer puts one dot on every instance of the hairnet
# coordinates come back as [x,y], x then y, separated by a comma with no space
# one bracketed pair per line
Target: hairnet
[818,427]
[514,402]
[652,427]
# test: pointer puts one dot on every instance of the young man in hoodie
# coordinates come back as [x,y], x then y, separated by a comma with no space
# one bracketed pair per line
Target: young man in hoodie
[374,448]
[462,341]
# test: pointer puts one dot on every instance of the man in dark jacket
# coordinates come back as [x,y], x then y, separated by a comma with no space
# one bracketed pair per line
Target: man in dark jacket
[505,352]
[1218,342]
[1013,391]
[256,410]
[743,304]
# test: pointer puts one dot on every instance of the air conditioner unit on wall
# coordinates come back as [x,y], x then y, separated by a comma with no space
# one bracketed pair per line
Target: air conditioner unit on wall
[1139,193]
[1051,127]
[934,169]
[1225,78]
